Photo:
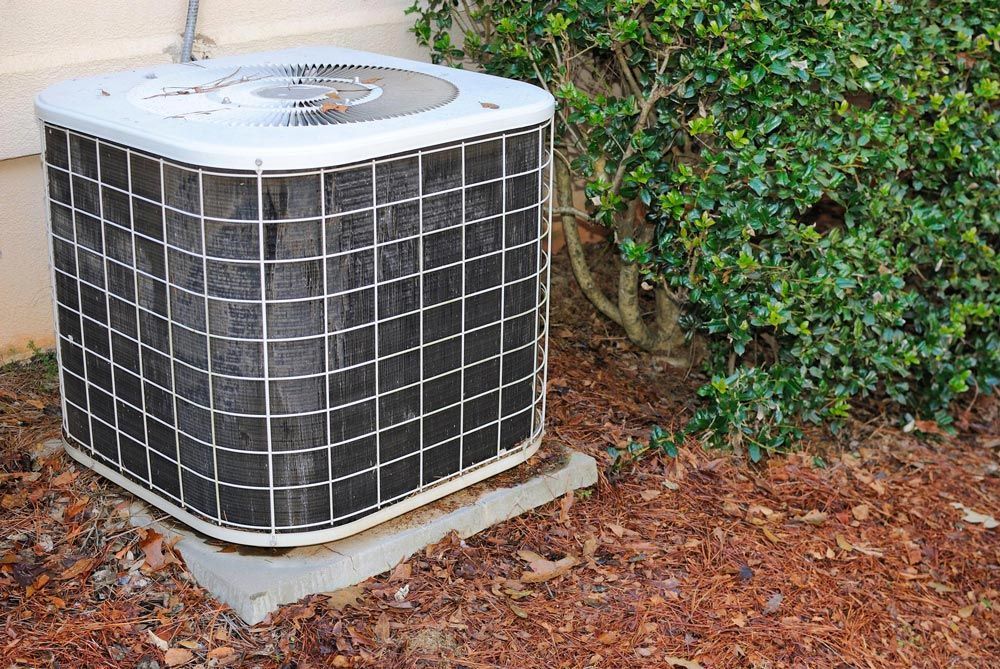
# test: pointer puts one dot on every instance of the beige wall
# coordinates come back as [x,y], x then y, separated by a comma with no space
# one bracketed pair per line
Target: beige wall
[44,42]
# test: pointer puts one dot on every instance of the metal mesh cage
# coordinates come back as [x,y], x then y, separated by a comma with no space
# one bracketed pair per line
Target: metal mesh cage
[286,353]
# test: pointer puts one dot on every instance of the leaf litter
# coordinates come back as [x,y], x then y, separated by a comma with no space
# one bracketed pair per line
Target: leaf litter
[874,563]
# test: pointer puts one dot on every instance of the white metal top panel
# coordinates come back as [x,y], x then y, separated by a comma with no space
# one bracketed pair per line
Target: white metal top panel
[293,109]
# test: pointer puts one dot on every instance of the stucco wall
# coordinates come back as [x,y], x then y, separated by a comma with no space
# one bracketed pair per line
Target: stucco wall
[44,42]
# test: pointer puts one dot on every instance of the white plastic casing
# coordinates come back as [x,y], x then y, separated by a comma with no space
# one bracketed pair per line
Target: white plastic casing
[118,107]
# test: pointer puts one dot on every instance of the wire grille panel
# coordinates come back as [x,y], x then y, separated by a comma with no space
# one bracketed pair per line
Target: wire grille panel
[288,352]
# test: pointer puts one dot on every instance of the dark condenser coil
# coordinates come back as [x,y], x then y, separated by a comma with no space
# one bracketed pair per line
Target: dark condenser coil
[299,293]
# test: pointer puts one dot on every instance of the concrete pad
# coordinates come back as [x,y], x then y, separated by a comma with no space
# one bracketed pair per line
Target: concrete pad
[256,581]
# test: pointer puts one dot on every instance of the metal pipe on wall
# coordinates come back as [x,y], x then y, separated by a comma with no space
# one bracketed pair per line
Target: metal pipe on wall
[189,26]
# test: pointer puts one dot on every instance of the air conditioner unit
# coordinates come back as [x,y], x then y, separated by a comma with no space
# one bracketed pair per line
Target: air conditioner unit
[299,293]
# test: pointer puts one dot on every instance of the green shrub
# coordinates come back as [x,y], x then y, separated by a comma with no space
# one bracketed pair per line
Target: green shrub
[813,184]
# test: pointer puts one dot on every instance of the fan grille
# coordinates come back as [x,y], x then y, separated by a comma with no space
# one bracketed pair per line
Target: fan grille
[292,95]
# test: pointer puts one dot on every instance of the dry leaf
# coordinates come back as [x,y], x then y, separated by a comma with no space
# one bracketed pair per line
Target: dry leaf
[490,105]
[333,94]
[14,500]
[860,512]
[771,536]
[649,495]
[76,507]
[865,550]
[814,517]
[153,639]
[175,657]
[940,588]
[371,80]
[976,518]
[589,547]
[617,529]
[544,570]
[152,547]
[401,572]
[608,638]
[844,543]
[966,611]
[565,504]
[773,603]
[222,654]
[301,612]
[77,568]
[332,106]
[381,628]
[38,584]
[929,427]
[338,599]
[681,662]
[517,594]
[64,479]
[517,610]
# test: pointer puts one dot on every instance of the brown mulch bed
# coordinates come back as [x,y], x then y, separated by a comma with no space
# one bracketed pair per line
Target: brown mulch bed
[854,553]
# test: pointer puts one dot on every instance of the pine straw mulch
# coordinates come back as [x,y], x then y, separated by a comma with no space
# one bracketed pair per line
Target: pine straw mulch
[858,553]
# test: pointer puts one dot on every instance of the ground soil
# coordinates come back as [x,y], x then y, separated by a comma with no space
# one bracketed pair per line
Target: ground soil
[870,549]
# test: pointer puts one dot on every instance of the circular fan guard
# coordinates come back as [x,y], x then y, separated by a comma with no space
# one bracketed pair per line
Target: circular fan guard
[293,95]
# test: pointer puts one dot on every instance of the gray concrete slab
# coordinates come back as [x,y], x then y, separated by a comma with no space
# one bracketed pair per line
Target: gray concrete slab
[256,581]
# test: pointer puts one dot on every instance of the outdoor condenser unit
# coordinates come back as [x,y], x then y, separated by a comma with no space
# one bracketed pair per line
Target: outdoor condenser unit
[301,292]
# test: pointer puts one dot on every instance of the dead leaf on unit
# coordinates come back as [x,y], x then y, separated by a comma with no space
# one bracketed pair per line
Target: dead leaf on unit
[371,80]
[332,106]
[490,105]
[333,94]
